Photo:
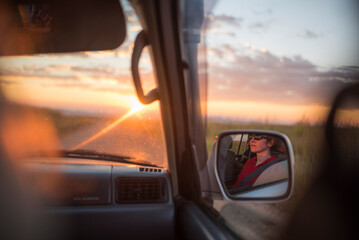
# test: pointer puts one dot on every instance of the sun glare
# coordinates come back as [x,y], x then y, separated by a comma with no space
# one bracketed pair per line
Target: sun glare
[136,107]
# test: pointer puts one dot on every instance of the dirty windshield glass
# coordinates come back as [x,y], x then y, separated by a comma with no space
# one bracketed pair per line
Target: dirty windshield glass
[82,100]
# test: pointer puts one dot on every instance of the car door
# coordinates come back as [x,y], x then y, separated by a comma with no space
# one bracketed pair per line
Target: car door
[173,41]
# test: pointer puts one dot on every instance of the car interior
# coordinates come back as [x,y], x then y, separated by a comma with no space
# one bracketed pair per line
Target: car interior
[76,194]
[88,195]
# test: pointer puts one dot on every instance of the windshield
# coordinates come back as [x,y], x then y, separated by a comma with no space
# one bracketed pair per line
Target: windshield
[83,100]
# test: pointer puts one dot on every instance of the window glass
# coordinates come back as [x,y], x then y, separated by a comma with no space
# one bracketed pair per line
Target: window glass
[276,65]
[83,100]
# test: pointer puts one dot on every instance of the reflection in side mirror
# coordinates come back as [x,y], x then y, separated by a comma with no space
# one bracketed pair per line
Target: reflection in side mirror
[254,165]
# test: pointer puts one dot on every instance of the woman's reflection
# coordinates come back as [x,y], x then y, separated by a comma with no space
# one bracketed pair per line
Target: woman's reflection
[265,166]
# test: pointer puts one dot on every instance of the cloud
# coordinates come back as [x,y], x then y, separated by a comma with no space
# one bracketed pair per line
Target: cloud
[347,74]
[71,54]
[129,12]
[97,71]
[267,11]
[310,34]
[103,78]
[57,72]
[122,89]
[223,52]
[34,72]
[58,67]
[8,82]
[258,26]
[265,77]
[220,20]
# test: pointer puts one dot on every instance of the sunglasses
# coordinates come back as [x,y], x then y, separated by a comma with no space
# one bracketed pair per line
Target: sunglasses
[258,137]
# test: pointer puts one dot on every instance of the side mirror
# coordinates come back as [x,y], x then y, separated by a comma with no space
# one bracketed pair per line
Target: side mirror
[254,165]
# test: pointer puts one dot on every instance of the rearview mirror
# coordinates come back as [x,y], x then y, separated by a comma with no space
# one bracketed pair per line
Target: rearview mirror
[50,26]
[256,165]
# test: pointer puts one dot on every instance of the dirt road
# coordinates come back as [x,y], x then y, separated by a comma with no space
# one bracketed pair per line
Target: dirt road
[253,220]
[138,137]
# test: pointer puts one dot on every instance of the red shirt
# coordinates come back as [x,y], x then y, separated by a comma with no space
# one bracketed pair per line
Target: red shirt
[248,168]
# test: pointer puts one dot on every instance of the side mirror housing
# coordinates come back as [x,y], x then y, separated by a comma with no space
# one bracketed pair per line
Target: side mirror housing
[255,165]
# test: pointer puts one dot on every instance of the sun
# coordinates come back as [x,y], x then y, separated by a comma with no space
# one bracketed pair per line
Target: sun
[136,106]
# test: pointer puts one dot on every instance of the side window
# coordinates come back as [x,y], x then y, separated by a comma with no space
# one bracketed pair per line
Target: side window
[276,65]
[84,100]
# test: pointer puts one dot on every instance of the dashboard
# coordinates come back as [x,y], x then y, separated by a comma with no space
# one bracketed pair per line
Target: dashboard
[103,199]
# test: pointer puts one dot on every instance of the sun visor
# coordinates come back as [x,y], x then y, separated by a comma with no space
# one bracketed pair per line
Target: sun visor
[54,26]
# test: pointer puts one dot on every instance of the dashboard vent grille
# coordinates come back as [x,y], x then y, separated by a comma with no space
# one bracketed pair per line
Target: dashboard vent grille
[140,190]
[147,169]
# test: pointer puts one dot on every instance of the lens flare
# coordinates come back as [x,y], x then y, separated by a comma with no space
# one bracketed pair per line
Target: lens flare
[136,107]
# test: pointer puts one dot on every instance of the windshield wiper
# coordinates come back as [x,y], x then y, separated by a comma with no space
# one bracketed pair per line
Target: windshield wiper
[91,154]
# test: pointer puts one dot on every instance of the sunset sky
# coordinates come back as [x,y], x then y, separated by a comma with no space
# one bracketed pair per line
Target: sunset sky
[277,61]
[280,61]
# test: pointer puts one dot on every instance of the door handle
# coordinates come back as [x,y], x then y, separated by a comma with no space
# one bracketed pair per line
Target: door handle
[140,43]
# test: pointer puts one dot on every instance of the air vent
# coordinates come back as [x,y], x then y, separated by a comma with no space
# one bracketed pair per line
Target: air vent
[147,169]
[141,190]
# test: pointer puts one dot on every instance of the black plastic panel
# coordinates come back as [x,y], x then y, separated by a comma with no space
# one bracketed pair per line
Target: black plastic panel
[141,190]
[94,213]
[72,184]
